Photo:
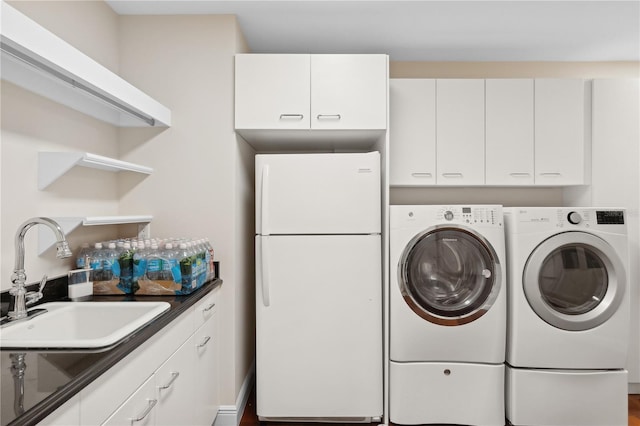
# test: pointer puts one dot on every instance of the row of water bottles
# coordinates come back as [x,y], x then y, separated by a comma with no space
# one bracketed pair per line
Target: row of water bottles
[154,266]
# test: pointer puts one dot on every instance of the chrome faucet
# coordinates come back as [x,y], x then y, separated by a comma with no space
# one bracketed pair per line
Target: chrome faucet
[21,297]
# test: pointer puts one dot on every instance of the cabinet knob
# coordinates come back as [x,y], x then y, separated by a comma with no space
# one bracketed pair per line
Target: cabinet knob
[151,403]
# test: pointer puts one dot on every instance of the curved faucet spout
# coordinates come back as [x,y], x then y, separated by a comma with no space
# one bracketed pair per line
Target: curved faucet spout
[19,277]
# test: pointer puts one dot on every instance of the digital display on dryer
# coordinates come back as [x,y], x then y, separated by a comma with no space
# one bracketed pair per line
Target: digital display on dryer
[610,217]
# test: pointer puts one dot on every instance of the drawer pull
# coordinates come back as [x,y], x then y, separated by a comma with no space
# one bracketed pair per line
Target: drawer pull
[174,376]
[151,403]
[210,307]
[517,175]
[329,116]
[291,116]
[551,174]
[452,175]
[421,175]
[204,342]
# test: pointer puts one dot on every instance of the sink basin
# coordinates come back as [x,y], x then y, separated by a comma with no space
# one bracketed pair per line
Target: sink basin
[78,325]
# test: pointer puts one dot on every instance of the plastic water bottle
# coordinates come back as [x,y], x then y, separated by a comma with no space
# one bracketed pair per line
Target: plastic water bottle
[96,262]
[139,262]
[211,270]
[186,269]
[84,256]
[154,263]
[170,265]
[125,260]
[110,265]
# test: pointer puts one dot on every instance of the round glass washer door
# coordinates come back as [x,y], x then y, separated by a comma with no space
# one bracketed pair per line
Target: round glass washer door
[574,281]
[449,275]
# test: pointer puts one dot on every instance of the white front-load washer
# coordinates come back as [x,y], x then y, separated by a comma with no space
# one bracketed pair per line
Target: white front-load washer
[447,315]
[568,316]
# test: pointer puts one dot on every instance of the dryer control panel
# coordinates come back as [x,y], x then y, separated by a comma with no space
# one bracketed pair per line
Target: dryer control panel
[531,219]
[472,215]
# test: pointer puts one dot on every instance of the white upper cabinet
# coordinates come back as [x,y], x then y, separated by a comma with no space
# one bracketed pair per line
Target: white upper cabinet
[495,132]
[412,132]
[280,97]
[273,91]
[560,111]
[509,132]
[460,131]
[349,92]
[39,61]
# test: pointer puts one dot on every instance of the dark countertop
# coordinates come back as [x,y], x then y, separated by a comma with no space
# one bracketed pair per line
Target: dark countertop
[51,377]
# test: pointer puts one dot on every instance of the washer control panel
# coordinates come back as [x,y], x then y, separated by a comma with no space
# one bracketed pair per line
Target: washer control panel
[483,215]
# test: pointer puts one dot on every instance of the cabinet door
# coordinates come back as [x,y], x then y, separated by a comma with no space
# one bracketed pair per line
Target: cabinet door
[272,91]
[206,365]
[559,131]
[139,409]
[460,131]
[67,415]
[509,132]
[175,381]
[349,92]
[412,130]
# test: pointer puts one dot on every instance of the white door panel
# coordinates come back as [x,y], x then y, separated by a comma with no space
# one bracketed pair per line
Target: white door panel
[318,194]
[319,340]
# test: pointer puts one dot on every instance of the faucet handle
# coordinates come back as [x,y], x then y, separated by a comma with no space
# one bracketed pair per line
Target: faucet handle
[43,282]
[34,296]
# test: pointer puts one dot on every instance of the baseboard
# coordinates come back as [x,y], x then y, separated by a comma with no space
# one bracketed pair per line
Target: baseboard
[634,388]
[230,415]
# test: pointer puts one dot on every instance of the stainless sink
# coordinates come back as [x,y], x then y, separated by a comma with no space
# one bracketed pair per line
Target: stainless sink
[78,325]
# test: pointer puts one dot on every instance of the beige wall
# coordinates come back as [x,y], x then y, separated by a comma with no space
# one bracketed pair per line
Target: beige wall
[514,69]
[203,179]
[31,124]
[202,183]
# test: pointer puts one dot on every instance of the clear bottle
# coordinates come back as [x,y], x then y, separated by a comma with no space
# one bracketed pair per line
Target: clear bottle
[170,275]
[96,262]
[84,257]
[139,262]
[110,265]
[125,259]
[154,263]
[211,270]
[185,254]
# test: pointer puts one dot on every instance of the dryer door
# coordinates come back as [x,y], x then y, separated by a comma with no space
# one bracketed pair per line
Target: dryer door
[574,281]
[449,275]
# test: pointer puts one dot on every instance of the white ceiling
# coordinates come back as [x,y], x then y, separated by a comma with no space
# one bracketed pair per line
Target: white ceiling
[429,30]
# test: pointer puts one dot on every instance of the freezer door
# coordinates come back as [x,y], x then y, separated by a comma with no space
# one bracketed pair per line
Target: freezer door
[319,326]
[318,194]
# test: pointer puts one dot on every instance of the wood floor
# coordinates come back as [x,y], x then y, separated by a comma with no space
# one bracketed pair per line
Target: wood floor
[249,417]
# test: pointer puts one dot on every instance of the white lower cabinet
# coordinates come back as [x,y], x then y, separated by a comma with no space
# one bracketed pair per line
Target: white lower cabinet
[175,391]
[173,376]
[66,415]
[206,390]
[139,409]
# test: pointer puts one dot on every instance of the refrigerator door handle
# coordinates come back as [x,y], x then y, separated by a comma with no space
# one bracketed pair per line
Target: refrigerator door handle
[264,266]
[264,207]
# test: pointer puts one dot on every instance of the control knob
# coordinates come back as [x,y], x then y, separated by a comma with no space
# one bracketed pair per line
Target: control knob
[448,215]
[574,218]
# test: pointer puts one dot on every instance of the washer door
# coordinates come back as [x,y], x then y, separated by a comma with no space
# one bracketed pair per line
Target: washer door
[449,275]
[574,281]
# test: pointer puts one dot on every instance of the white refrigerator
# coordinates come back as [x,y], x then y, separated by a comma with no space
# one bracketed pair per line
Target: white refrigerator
[318,287]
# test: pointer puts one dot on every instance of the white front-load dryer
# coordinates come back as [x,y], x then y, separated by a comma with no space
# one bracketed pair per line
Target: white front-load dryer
[568,316]
[447,314]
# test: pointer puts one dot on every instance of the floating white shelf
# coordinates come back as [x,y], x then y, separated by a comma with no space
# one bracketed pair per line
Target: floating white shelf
[52,165]
[46,238]
[39,61]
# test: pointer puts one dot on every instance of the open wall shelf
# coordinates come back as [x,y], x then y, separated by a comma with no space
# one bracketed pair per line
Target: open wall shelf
[46,238]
